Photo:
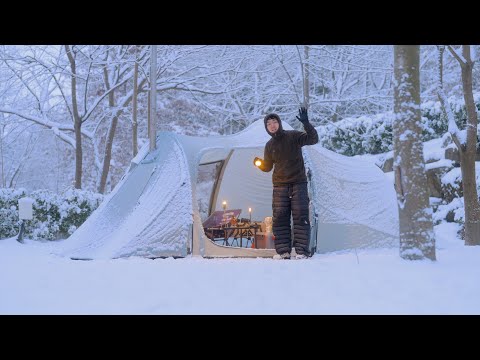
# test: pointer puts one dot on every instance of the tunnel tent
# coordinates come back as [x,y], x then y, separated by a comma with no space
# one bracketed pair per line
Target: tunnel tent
[153,210]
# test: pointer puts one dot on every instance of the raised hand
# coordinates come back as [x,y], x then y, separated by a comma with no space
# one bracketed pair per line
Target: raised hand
[302,115]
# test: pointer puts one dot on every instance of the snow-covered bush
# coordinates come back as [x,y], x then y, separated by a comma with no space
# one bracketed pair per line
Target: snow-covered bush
[76,207]
[46,216]
[452,207]
[451,184]
[9,222]
[358,136]
[373,134]
[54,216]
[450,212]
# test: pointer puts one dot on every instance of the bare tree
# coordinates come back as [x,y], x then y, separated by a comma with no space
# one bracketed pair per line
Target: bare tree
[118,71]
[78,105]
[23,159]
[417,239]
[306,75]
[82,95]
[179,70]
[134,107]
[466,145]
[2,134]
[111,131]
[77,120]
[152,128]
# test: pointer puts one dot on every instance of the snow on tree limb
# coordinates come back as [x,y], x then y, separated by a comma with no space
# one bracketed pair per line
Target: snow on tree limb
[457,56]
[452,125]
[57,128]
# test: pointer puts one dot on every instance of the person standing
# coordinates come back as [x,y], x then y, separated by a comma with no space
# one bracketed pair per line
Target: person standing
[283,153]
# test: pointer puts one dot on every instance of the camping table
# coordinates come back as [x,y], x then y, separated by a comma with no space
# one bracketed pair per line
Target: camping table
[215,234]
[241,231]
[237,232]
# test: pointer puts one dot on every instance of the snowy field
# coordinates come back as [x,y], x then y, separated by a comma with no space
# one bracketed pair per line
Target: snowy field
[34,280]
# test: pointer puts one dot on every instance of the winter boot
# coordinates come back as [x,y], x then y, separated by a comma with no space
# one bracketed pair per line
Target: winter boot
[284,256]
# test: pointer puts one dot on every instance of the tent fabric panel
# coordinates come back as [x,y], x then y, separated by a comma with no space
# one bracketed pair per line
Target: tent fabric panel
[355,198]
[158,221]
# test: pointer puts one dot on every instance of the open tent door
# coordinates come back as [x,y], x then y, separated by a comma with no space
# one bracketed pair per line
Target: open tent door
[242,186]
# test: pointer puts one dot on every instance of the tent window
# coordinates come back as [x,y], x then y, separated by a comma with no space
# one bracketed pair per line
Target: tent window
[206,181]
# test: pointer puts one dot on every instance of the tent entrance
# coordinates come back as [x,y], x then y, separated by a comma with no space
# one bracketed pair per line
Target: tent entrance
[228,227]
[239,199]
[233,179]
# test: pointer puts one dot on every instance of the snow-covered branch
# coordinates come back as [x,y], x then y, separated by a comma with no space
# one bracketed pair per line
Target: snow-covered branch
[57,128]
[457,55]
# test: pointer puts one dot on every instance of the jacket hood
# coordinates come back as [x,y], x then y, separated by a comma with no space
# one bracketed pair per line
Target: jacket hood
[280,127]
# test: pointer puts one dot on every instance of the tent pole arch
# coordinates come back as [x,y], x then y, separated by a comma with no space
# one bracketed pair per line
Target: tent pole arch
[218,181]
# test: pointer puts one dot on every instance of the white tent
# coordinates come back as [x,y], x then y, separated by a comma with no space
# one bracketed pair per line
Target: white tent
[153,210]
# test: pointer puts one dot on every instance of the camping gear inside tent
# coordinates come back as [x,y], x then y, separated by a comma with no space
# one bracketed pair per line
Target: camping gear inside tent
[154,212]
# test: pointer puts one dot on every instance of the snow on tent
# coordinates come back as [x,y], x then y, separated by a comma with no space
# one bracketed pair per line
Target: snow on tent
[153,211]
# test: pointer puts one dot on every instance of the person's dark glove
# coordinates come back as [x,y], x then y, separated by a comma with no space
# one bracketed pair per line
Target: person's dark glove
[302,115]
[255,161]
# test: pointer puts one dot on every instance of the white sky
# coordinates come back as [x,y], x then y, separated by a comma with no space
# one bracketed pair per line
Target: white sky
[35,281]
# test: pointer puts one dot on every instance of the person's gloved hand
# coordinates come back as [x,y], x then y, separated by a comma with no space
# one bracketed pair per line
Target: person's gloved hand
[255,161]
[302,115]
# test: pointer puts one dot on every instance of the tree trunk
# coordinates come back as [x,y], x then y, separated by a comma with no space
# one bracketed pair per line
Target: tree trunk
[78,154]
[417,240]
[112,129]
[134,111]
[77,121]
[148,116]
[1,153]
[110,135]
[108,145]
[441,49]
[306,83]
[153,98]
[470,195]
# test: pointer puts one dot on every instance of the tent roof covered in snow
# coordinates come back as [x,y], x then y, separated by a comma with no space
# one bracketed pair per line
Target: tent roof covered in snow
[153,211]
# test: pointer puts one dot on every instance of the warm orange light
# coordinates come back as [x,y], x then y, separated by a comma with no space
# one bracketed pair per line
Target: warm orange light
[258,163]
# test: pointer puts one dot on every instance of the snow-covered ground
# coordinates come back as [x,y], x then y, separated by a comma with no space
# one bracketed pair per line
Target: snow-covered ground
[34,280]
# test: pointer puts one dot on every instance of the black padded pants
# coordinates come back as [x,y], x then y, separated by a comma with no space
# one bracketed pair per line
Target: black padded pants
[291,200]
